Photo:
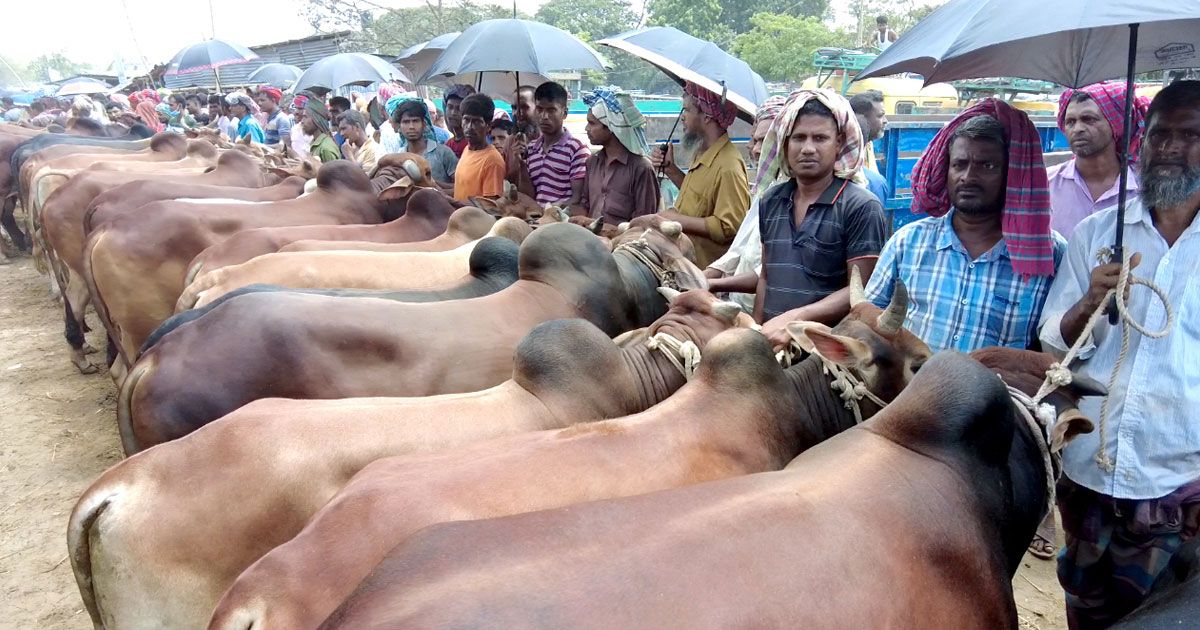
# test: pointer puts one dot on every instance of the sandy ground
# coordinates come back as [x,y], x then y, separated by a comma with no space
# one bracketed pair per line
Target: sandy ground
[59,433]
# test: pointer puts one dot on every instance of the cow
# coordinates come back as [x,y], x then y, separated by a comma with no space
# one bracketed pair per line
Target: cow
[135,266]
[308,346]
[345,269]
[466,224]
[917,517]
[151,546]
[741,414]
[1174,600]
[138,138]
[421,217]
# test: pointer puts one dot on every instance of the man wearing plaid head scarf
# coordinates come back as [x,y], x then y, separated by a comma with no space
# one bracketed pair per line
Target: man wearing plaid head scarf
[1093,119]
[620,183]
[714,194]
[979,268]
[313,116]
[819,222]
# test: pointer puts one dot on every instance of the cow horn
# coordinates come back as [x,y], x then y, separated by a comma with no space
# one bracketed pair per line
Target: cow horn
[727,311]
[597,226]
[891,320]
[857,295]
[413,170]
[623,227]
[511,193]
[670,294]
[671,228]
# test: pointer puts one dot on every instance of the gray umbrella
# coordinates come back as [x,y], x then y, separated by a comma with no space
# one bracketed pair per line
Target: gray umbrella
[1072,43]
[516,46]
[278,75]
[83,85]
[344,69]
[418,58]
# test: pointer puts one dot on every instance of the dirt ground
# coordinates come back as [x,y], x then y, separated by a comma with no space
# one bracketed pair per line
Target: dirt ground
[58,433]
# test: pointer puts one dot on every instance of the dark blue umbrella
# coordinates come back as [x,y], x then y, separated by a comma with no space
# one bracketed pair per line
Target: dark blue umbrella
[418,58]
[278,75]
[209,55]
[344,69]
[686,58]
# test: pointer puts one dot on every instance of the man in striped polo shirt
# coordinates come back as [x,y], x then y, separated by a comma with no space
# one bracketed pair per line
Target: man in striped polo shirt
[555,164]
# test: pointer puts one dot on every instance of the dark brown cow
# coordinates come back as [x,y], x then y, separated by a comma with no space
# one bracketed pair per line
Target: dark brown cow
[306,346]
[135,266]
[742,414]
[918,518]
[151,546]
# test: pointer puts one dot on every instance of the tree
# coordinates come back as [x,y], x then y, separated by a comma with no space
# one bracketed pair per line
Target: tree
[780,47]
[39,69]
[698,18]
[737,13]
[397,29]
[589,20]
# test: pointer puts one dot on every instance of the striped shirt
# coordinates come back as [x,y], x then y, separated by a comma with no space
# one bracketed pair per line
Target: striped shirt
[956,302]
[552,172]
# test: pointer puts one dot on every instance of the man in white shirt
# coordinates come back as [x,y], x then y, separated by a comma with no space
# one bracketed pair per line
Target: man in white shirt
[1130,495]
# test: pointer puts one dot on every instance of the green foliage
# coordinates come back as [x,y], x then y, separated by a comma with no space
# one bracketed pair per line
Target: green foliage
[39,68]
[589,19]
[398,29]
[698,18]
[780,47]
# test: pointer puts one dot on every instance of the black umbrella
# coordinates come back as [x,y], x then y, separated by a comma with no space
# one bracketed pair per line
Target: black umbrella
[209,55]
[279,75]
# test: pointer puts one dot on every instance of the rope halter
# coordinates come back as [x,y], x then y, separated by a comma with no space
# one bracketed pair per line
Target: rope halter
[848,385]
[1040,418]
[684,355]
[642,252]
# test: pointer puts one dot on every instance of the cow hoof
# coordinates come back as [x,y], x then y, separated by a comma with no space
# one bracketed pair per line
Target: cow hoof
[88,349]
[87,368]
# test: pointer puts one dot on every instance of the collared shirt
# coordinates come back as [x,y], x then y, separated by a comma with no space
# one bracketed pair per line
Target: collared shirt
[877,184]
[301,142]
[620,187]
[956,302]
[324,148]
[744,256]
[279,126]
[806,263]
[716,190]
[552,171]
[249,125]
[1153,433]
[366,156]
[1071,201]
[480,174]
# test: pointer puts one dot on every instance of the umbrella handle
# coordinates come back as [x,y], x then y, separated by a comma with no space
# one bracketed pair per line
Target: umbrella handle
[662,170]
[1123,179]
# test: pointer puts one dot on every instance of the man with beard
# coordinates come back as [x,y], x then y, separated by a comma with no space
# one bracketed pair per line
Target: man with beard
[979,268]
[1092,118]
[872,119]
[816,225]
[714,194]
[313,118]
[523,108]
[1130,494]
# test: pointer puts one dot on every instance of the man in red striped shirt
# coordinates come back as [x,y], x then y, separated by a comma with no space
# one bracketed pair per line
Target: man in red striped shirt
[553,166]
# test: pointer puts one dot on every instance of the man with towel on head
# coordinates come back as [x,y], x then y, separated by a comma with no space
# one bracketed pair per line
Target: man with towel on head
[715,193]
[620,183]
[313,117]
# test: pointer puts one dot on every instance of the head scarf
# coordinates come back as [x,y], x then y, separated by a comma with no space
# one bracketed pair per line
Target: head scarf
[272,93]
[393,102]
[144,95]
[314,108]
[387,91]
[501,115]
[1026,220]
[237,98]
[164,109]
[1110,96]
[429,135]
[773,164]
[145,111]
[712,105]
[616,111]
[770,109]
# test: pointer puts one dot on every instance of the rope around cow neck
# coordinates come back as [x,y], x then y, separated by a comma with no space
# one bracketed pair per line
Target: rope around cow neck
[1059,374]
[641,251]
[684,355]
[849,387]
[1039,416]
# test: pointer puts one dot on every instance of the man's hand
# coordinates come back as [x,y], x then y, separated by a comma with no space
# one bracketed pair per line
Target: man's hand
[520,144]
[1104,279]
[661,160]
[776,333]
[670,214]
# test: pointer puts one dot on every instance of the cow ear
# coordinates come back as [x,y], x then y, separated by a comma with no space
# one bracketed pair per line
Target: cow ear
[485,203]
[282,173]
[1070,425]
[797,330]
[1086,386]
[840,349]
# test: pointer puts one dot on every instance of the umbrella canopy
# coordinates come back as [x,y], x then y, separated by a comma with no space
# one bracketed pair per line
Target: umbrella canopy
[516,46]
[83,85]
[417,59]
[344,69]
[209,55]
[1070,43]
[686,58]
[278,75]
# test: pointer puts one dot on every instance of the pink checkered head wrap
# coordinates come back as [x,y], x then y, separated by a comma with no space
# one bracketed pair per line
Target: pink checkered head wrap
[710,103]
[1110,97]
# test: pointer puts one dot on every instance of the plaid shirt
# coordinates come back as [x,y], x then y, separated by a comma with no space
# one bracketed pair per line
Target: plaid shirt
[956,303]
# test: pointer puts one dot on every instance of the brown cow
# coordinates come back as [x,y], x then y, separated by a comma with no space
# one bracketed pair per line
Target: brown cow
[917,518]
[466,224]
[741,414]
[135,266]
[151,546]
[307,346]
[345,269]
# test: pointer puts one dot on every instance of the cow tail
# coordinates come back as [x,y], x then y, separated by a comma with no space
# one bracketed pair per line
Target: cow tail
[80,532]
[125,406]
[196,287]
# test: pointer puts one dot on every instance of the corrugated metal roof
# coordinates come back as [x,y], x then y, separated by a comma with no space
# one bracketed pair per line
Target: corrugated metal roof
[298,52]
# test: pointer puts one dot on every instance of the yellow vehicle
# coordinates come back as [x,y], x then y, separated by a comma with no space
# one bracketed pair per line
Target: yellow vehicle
[900,95]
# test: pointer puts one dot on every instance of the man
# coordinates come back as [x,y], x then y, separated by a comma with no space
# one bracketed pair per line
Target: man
[359,147]
[523,112]
[416,128]
[338,105]
[619,183]
[501,131]
[551,168]
[1130,494]
[884,35]
[480,172]
[714,195]
[453,103]
[279,124]
[1092,118]
[872,119]
[816,226]
[737,271]
[313,118]
[979,268]
[239,109]
[195,107]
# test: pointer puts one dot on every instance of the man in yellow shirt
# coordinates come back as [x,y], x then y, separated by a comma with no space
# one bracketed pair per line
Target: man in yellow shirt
[714,195]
